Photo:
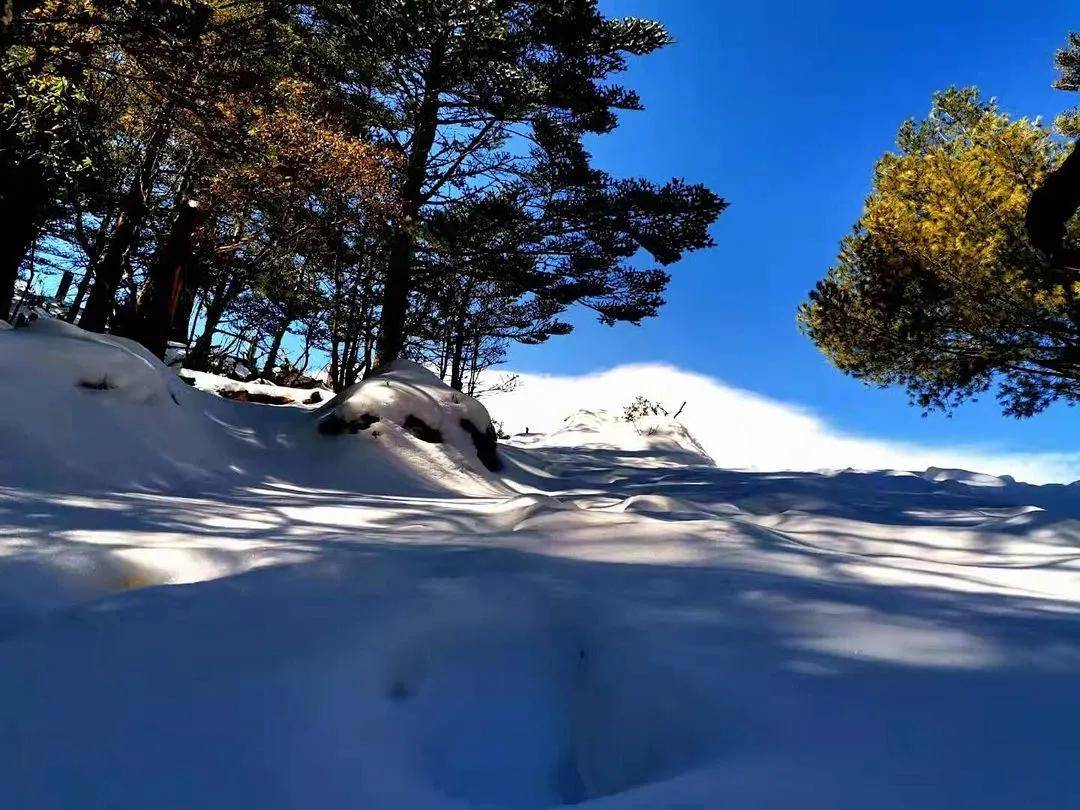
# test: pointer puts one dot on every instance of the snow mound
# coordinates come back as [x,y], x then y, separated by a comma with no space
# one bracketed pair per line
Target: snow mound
[514,512]
[259,392]
[972,479]
[586,421]
[412,399]
[655,435]
[89,361]
[668,506]
[72,395]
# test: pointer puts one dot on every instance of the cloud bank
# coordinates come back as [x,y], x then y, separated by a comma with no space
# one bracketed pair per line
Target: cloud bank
[744,430]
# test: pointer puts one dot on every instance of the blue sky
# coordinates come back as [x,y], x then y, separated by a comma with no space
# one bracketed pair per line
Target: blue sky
[783,109]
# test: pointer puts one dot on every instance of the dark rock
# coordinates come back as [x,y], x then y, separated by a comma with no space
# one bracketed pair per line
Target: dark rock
[295,379]
[487,444]
[242,395]
[334,425]
[421,430]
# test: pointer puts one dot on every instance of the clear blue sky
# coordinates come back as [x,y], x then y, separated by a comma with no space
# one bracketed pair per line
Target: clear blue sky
[783,108]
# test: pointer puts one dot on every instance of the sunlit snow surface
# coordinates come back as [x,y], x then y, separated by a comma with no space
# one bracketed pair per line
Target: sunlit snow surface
[207,604]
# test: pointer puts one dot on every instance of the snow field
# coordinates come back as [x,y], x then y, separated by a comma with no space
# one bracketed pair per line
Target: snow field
[206,603]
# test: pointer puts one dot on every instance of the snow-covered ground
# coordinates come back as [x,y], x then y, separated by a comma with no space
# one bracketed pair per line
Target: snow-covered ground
[209,603]
[267,393]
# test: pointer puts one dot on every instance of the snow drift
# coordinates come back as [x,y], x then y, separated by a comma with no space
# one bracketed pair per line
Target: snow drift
[90,407]
[99,410]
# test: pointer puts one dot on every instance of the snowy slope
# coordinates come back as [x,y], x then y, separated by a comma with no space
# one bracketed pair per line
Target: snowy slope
[210,604]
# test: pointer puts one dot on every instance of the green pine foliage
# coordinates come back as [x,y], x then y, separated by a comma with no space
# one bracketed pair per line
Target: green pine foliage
[937,289]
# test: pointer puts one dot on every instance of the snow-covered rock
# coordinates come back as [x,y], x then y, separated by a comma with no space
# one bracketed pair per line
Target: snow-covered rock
[259,392]
[410,397]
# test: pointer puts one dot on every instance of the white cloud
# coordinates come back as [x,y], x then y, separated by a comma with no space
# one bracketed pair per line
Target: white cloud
[741,429]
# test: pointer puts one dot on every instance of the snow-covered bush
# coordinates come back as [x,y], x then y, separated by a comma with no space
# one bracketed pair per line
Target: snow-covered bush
[643,407]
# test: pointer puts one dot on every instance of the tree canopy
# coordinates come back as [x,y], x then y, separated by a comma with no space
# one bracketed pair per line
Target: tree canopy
[376,179]
[938,288]
[487,105]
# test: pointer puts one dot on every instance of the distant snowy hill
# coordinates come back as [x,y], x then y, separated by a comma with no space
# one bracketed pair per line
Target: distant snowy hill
[611,431]
[223,604]
[744,430]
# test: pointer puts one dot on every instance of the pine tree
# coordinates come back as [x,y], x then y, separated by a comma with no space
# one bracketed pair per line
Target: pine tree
[492,100]
[377,177]
[1058,198]
[47,143]
[937,289]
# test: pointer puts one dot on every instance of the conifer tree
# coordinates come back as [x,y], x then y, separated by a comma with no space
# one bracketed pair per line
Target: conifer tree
[1055,202]
[493,99]
[372,178]
[938,288]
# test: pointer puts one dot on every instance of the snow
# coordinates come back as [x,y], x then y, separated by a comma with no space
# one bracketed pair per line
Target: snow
[742,429]
[602,429]
[973,479]
[230,388]
[406,388]
[207,603]
[386,404]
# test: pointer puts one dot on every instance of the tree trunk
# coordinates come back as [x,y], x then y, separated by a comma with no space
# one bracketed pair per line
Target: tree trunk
[457,360]
[23,200]
[1051,207]
[193,319]
[198,358]
[275,347]
[335,334]
[169,270]
[25,196]
[335,364]
[64,287]
[29,283]
[474,371]
[88,275]
[249,357]
[395,305]
[13,248]
[182,316]
[80,294]
[108,271]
